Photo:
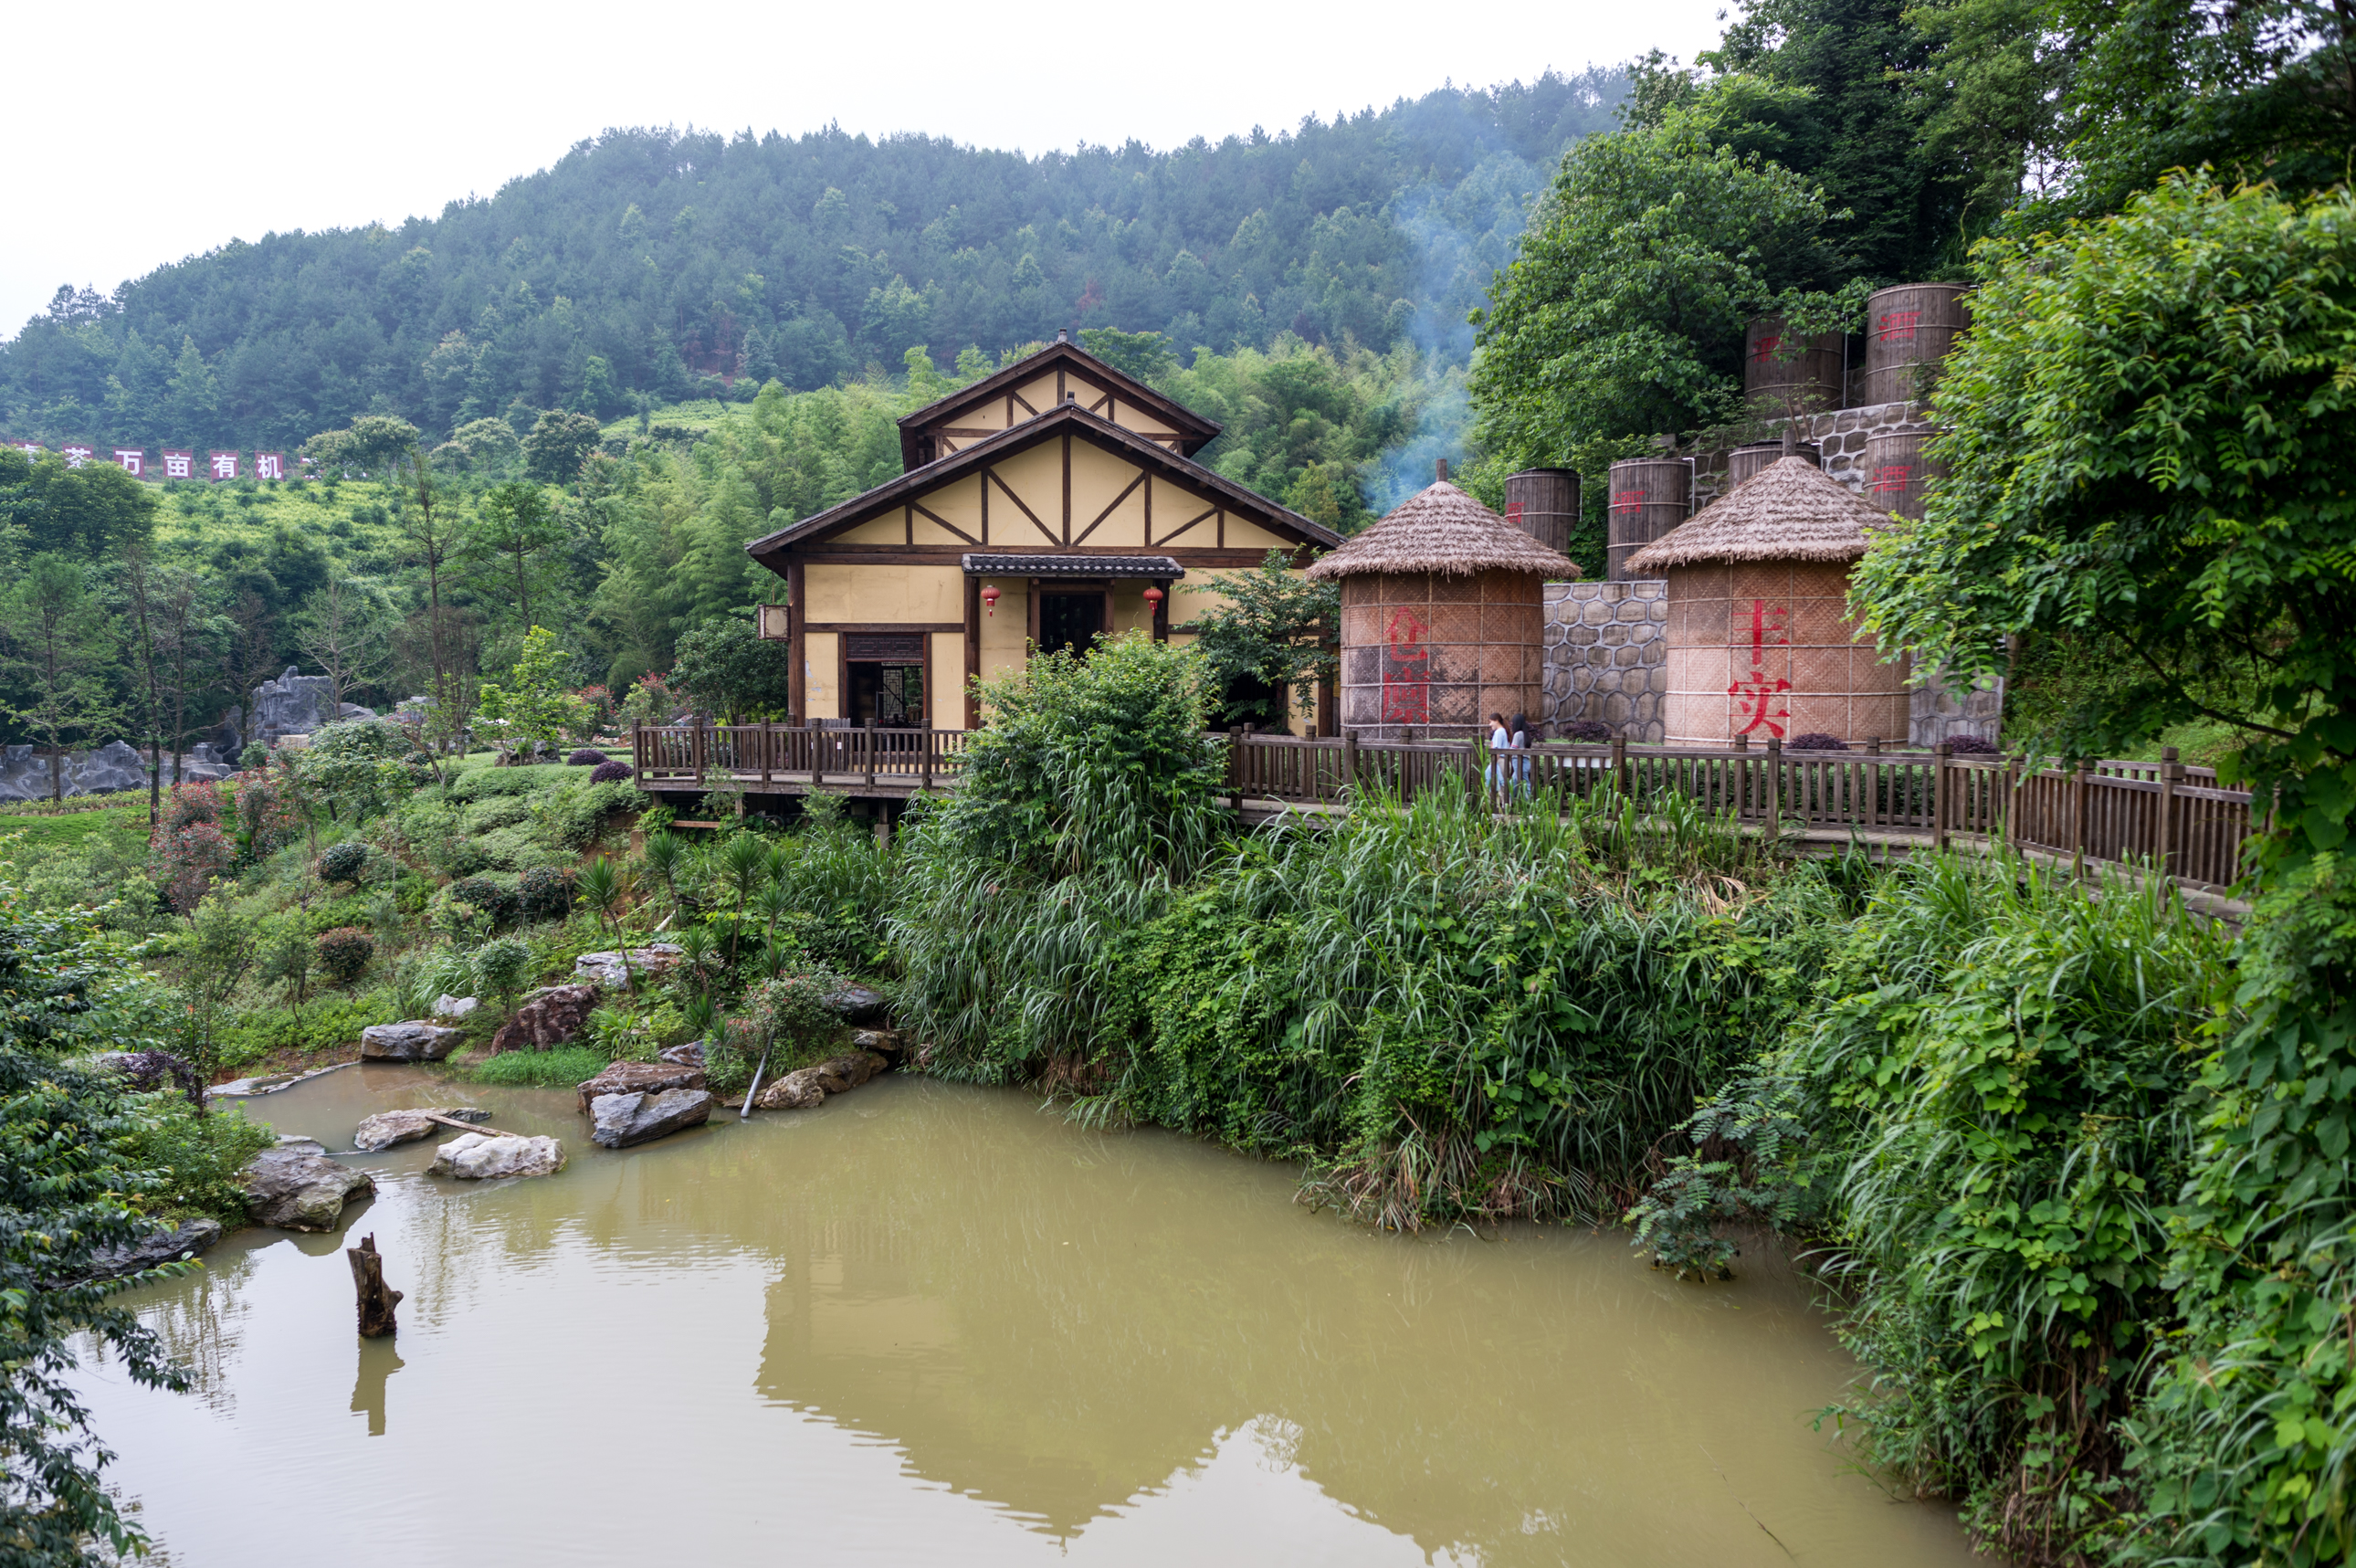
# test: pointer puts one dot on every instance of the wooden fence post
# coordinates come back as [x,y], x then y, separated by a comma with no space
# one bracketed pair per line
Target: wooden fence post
[1941,797]
[696,749]
[1774,788]
[2171,772]
[1620,780]
[1350,766]
[2078,815]
[1235,767]
[871,753]
[926,779]
[638,748]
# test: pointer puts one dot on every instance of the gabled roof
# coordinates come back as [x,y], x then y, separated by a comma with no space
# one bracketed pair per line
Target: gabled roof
[1441,529]
[1789,511]
[1194,431]
[1150,455]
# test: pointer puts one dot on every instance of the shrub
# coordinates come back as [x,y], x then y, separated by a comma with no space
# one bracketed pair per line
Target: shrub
[345,863]
[345,952]
[558,1069]
[267,818]
[1587,732]
[500,903]
[498,811]
[186,805]
[612,773]
[188,861]
[572,818]
[1815,740]
[196,1157]
[546,892]
[587,757]
[1971,746]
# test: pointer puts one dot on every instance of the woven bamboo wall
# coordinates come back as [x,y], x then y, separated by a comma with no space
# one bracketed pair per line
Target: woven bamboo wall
[1764,648]
[1438,653]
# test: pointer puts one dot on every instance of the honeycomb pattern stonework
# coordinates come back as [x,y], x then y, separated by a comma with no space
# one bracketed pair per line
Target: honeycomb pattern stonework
[1606,656]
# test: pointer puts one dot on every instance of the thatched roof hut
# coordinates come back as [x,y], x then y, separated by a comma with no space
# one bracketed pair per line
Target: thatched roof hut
[1443,618]
[1760,643]
[1441,529]
[1789,511]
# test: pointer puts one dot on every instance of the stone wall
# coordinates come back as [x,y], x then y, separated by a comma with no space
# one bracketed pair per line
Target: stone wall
[1840,435]
[1606,656]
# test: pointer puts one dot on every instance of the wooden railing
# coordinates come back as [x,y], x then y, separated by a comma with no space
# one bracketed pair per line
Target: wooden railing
[2162,814]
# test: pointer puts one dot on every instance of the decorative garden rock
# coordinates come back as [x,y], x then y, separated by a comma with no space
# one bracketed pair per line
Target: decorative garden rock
[856,1003]
[484,1156]
[296,1191]
[688,1055]
[415,1041]
[839,1075]
[164,1247]
[386,1128]
[549,1017]
[619,1120]
[883,1042]
[650,962]
[640,1077]
[455,1007]
[799,1090]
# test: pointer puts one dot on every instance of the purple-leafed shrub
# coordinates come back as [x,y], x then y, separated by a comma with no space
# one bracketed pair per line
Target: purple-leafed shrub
[1970,746]
[1587,732]
[1815,740]
[587,757]
[610,772]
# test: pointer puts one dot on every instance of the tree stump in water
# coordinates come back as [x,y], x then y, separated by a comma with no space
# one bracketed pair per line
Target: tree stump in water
[376,1301]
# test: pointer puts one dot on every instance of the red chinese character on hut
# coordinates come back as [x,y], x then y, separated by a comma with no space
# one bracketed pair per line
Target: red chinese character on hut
[1757,691]
[1406,669]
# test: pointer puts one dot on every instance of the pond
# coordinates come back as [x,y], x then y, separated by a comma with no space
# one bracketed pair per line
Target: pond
[928,1323]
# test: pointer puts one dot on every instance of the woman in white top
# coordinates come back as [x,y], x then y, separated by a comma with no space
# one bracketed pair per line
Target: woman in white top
[1521,742]
[1500,740]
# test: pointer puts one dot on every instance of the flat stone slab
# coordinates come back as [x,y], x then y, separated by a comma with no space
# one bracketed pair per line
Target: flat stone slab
[640,1077]
[482,1156]
[619,1120]
[386,1128]
[415,1041]
[296,1191]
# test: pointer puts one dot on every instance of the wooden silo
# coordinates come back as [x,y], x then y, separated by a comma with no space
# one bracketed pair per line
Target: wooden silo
[1443,618]
[1759,642]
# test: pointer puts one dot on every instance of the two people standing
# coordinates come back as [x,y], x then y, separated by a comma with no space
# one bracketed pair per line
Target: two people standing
[1505,737]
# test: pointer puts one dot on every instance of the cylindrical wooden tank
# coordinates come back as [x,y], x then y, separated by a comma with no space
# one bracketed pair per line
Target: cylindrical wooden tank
[1763,649]
[1778,382]
[1896,470]
[1909,329]
[1650,496]
[1438,653]
[1745,461]
[1544,504]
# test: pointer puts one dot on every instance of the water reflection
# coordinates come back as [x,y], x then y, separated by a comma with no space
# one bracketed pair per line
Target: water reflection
[928,1323]
[379,1361]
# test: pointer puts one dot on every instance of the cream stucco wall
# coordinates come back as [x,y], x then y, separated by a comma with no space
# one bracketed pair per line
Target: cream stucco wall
[847,593]
[946,696]
[823,689]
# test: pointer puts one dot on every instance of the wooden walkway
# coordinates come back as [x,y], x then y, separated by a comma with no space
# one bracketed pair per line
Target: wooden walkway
[2154,815]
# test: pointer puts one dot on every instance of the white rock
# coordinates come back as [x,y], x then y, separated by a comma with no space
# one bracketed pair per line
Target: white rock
[477,1156]
[650,962]
[455,1006]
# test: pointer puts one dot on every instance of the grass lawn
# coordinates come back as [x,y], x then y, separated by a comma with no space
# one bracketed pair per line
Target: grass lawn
[71,829]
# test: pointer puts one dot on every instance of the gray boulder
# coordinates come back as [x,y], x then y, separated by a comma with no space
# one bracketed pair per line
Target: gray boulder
[164,1247]
[856,1003]
[799,1090]
[688,1055]
[296,1191]
[25,776]
[619,1120]
[484,1156]
[415,1041]
[386,1128]
[647,963]
[292,704]
[639,1078]
[455,1006]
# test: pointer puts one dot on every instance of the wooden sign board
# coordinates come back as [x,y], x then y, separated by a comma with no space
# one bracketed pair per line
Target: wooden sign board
[775,623]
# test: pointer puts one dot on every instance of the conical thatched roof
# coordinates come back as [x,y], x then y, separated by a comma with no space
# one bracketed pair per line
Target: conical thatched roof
[1441,529]
[1789,511]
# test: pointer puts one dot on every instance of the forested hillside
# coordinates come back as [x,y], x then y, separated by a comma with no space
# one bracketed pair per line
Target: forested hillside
[660,266]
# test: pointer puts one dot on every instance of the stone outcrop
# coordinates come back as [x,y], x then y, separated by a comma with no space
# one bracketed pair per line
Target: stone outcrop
[415,1041]
[292,704]
[650,962]
[386,1128]
[296,1191]
[883,1042]
[481,1156]
[164,1247]
[856,1003]
[549,1017]
[619,1120]
[639,1078]
[797,1090]
[839,1075]
[688,1055]
[456,1008]
[806,1088]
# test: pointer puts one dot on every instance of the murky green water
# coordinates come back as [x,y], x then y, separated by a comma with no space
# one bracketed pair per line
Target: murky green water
[930,1324]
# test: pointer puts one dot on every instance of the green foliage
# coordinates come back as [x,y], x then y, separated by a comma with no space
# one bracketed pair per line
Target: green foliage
[2147,432]
[725,669]
[354,767]
[504,967]
[198,1157]
[345,954]
[535,707]
[575,817]
[1274,632]
[546,893]
[553,451]
[558,1069]
[343,862]
[498,903]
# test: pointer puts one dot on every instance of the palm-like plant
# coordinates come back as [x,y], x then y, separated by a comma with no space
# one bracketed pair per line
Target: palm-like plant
[605,888]
[745,864]
[663,855]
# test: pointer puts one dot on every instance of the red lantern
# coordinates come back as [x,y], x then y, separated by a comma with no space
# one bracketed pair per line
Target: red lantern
[989,598]
[1152,598]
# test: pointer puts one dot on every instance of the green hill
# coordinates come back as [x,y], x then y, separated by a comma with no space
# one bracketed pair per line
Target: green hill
[667,266]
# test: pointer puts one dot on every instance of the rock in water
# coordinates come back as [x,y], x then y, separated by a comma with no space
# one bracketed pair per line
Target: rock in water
[415,1041]
[639,1078]
[883,1042]
[621,1120]
[855,1003]
[296,1191]
[166,1246]
[386,1128]
[478,1156]
[549,1017]
[796,1091]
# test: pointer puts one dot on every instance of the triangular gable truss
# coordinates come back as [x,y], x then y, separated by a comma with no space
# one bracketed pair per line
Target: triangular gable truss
[1079,376]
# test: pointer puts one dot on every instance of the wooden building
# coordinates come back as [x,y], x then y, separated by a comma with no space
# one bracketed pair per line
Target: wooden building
[1039,506]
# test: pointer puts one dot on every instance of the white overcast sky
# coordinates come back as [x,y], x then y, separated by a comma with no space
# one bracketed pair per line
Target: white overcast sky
[171,129]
